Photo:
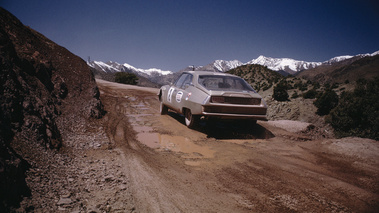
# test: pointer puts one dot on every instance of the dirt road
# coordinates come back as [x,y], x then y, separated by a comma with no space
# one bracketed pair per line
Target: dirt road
[227,167]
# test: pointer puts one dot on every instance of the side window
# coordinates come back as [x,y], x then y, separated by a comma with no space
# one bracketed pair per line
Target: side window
[180,80]
[187,81]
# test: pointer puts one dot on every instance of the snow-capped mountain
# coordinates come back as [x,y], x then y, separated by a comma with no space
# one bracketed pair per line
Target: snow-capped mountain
[109,67]
[223,66]
[346,57]
[285,64]
[112,67]
[220,65]
[292,66]
[338,59]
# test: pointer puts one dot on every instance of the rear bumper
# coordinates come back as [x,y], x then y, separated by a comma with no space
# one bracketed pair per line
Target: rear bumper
[235,116]
[228,111]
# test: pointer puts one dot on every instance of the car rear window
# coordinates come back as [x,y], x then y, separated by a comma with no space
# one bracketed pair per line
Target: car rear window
[225,83]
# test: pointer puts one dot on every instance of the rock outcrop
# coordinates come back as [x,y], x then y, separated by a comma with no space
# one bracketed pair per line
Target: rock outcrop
[44,89]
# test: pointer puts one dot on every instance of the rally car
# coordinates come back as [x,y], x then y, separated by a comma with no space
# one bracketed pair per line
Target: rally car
[204,94]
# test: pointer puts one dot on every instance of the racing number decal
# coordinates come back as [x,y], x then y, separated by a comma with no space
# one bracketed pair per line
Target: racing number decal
[169,94]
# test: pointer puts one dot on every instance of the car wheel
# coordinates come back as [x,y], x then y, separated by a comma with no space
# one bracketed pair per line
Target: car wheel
[191,120]
[163,109]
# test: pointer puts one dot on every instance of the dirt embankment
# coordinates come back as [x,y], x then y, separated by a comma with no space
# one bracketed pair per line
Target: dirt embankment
[135,160]
[44,90]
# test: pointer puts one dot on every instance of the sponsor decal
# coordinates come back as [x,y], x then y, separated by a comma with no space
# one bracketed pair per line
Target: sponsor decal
[169,94]
[179,96]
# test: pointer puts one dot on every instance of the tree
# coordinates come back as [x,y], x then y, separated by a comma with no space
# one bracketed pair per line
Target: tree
[310,94]
[326,102]
[126,78]
[301,86]
[357,113]
[280,91]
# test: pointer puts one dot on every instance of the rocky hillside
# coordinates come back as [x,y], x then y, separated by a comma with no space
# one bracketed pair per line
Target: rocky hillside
[347,70]
[263,80]
[258,76]
[45,91]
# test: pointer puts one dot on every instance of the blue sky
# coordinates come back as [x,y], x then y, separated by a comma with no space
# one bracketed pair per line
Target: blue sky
[171,35]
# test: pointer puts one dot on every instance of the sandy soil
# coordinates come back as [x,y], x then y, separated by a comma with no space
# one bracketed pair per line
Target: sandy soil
[136,160]
[227,167]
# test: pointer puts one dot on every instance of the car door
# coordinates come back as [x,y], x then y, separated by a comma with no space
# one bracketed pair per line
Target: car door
[177,92]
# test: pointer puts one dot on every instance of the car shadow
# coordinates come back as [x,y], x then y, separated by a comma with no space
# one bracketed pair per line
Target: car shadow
[228,129]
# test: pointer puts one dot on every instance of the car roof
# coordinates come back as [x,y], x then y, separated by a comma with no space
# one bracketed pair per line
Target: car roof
[197,73]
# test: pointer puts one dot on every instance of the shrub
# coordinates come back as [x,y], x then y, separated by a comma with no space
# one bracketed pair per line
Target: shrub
[357,113]
[302,87]
[335,86]
[326,102]
[316,85]
[266,86]
[126,78]
[280,92]
[294,95]
[310,94]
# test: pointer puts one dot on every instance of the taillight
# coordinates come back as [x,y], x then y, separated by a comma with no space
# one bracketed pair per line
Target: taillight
[217,99]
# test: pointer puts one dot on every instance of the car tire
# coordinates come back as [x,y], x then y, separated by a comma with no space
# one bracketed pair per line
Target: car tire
[190,120]
[163,109]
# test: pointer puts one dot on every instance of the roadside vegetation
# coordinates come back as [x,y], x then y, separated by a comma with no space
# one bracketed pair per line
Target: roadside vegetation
[259,77]
[126,78]
[351,108]
[357,113]
[280,91]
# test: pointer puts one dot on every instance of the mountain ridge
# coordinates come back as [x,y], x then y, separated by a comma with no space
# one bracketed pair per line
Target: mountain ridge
[351,69]
[281,65]
[112,67]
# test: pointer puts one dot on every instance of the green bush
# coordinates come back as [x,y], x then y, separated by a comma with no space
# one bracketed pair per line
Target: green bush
[310,94]
[126,78]
[266,86]
[316,85]
[280,91]
[326,102]
[299,85]
[357,113]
